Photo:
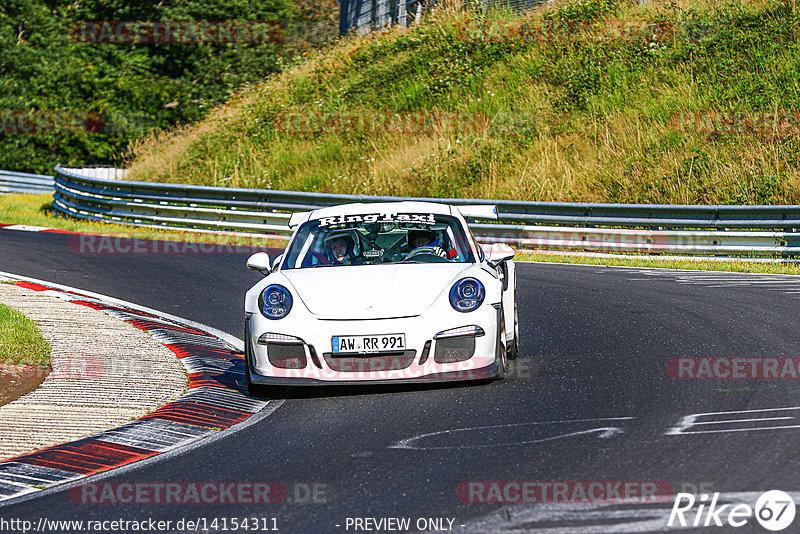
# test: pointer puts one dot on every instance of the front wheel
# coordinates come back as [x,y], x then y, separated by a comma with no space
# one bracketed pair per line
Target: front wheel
[501,348]
[252,389]
[513,347]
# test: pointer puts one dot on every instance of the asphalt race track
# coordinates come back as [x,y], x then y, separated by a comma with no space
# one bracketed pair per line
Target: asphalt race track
[588,400]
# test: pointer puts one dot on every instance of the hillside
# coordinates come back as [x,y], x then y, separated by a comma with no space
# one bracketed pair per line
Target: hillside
[594,100]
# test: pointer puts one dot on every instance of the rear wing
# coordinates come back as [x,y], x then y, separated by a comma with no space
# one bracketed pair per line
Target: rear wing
[482,211]
[298,218]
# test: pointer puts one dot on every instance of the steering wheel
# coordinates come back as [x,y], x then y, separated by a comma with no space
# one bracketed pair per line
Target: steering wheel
[421,250]
[428,252]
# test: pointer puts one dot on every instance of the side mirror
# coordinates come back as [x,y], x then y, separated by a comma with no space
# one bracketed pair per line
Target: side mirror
[276,262]
[259,262]
[498,253]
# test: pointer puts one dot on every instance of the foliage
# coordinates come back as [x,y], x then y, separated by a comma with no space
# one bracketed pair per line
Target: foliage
[46,68]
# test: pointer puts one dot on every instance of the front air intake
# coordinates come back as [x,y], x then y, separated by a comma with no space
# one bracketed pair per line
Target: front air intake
[287,355]
[454,349]
[365,363]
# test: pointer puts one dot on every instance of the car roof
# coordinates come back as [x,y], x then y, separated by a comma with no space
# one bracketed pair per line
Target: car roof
[369,208]
[381,207]
[476,211]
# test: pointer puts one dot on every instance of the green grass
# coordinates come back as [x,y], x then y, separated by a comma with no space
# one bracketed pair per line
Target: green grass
[699,264]
[20,339]
[560,119]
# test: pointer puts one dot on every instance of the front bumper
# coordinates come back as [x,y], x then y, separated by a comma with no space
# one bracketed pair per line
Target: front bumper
[489,372]
[421,362]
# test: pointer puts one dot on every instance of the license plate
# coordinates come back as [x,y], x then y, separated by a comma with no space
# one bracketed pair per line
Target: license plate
[362,344]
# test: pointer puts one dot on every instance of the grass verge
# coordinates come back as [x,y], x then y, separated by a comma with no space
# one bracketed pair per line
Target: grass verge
[20,340]
[699,264]
[36,210]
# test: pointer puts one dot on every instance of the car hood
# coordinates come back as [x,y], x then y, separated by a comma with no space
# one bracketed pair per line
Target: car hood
[373,291]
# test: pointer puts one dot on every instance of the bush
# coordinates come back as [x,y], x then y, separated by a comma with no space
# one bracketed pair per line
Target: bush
[135,88]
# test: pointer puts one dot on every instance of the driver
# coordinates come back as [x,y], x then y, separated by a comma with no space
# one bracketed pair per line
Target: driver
[419,239]
[340,250]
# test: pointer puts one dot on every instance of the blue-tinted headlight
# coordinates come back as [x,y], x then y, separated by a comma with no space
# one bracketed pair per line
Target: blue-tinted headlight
[467,295]
[275,302]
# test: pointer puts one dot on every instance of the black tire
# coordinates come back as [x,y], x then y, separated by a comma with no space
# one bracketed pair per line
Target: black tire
[252,389]
[513,347]
[501,348]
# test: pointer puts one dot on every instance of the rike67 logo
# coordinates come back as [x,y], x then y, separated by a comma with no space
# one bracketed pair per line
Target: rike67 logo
[774,510]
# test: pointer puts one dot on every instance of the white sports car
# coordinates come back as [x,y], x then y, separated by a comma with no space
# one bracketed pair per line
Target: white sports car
[379,293]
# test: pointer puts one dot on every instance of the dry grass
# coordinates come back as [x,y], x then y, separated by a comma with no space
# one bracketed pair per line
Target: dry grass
[164,150]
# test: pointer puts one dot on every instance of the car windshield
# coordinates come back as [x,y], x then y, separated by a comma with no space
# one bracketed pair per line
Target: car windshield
[369,239]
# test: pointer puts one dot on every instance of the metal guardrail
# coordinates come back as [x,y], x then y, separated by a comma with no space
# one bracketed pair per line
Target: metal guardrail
[20,182]
[364,16]
[668,229]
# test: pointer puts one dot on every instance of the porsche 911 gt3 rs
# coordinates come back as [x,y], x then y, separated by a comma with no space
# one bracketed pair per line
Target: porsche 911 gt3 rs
[379,293]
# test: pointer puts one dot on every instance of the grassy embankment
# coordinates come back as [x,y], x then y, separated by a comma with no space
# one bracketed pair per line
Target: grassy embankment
[579,115]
